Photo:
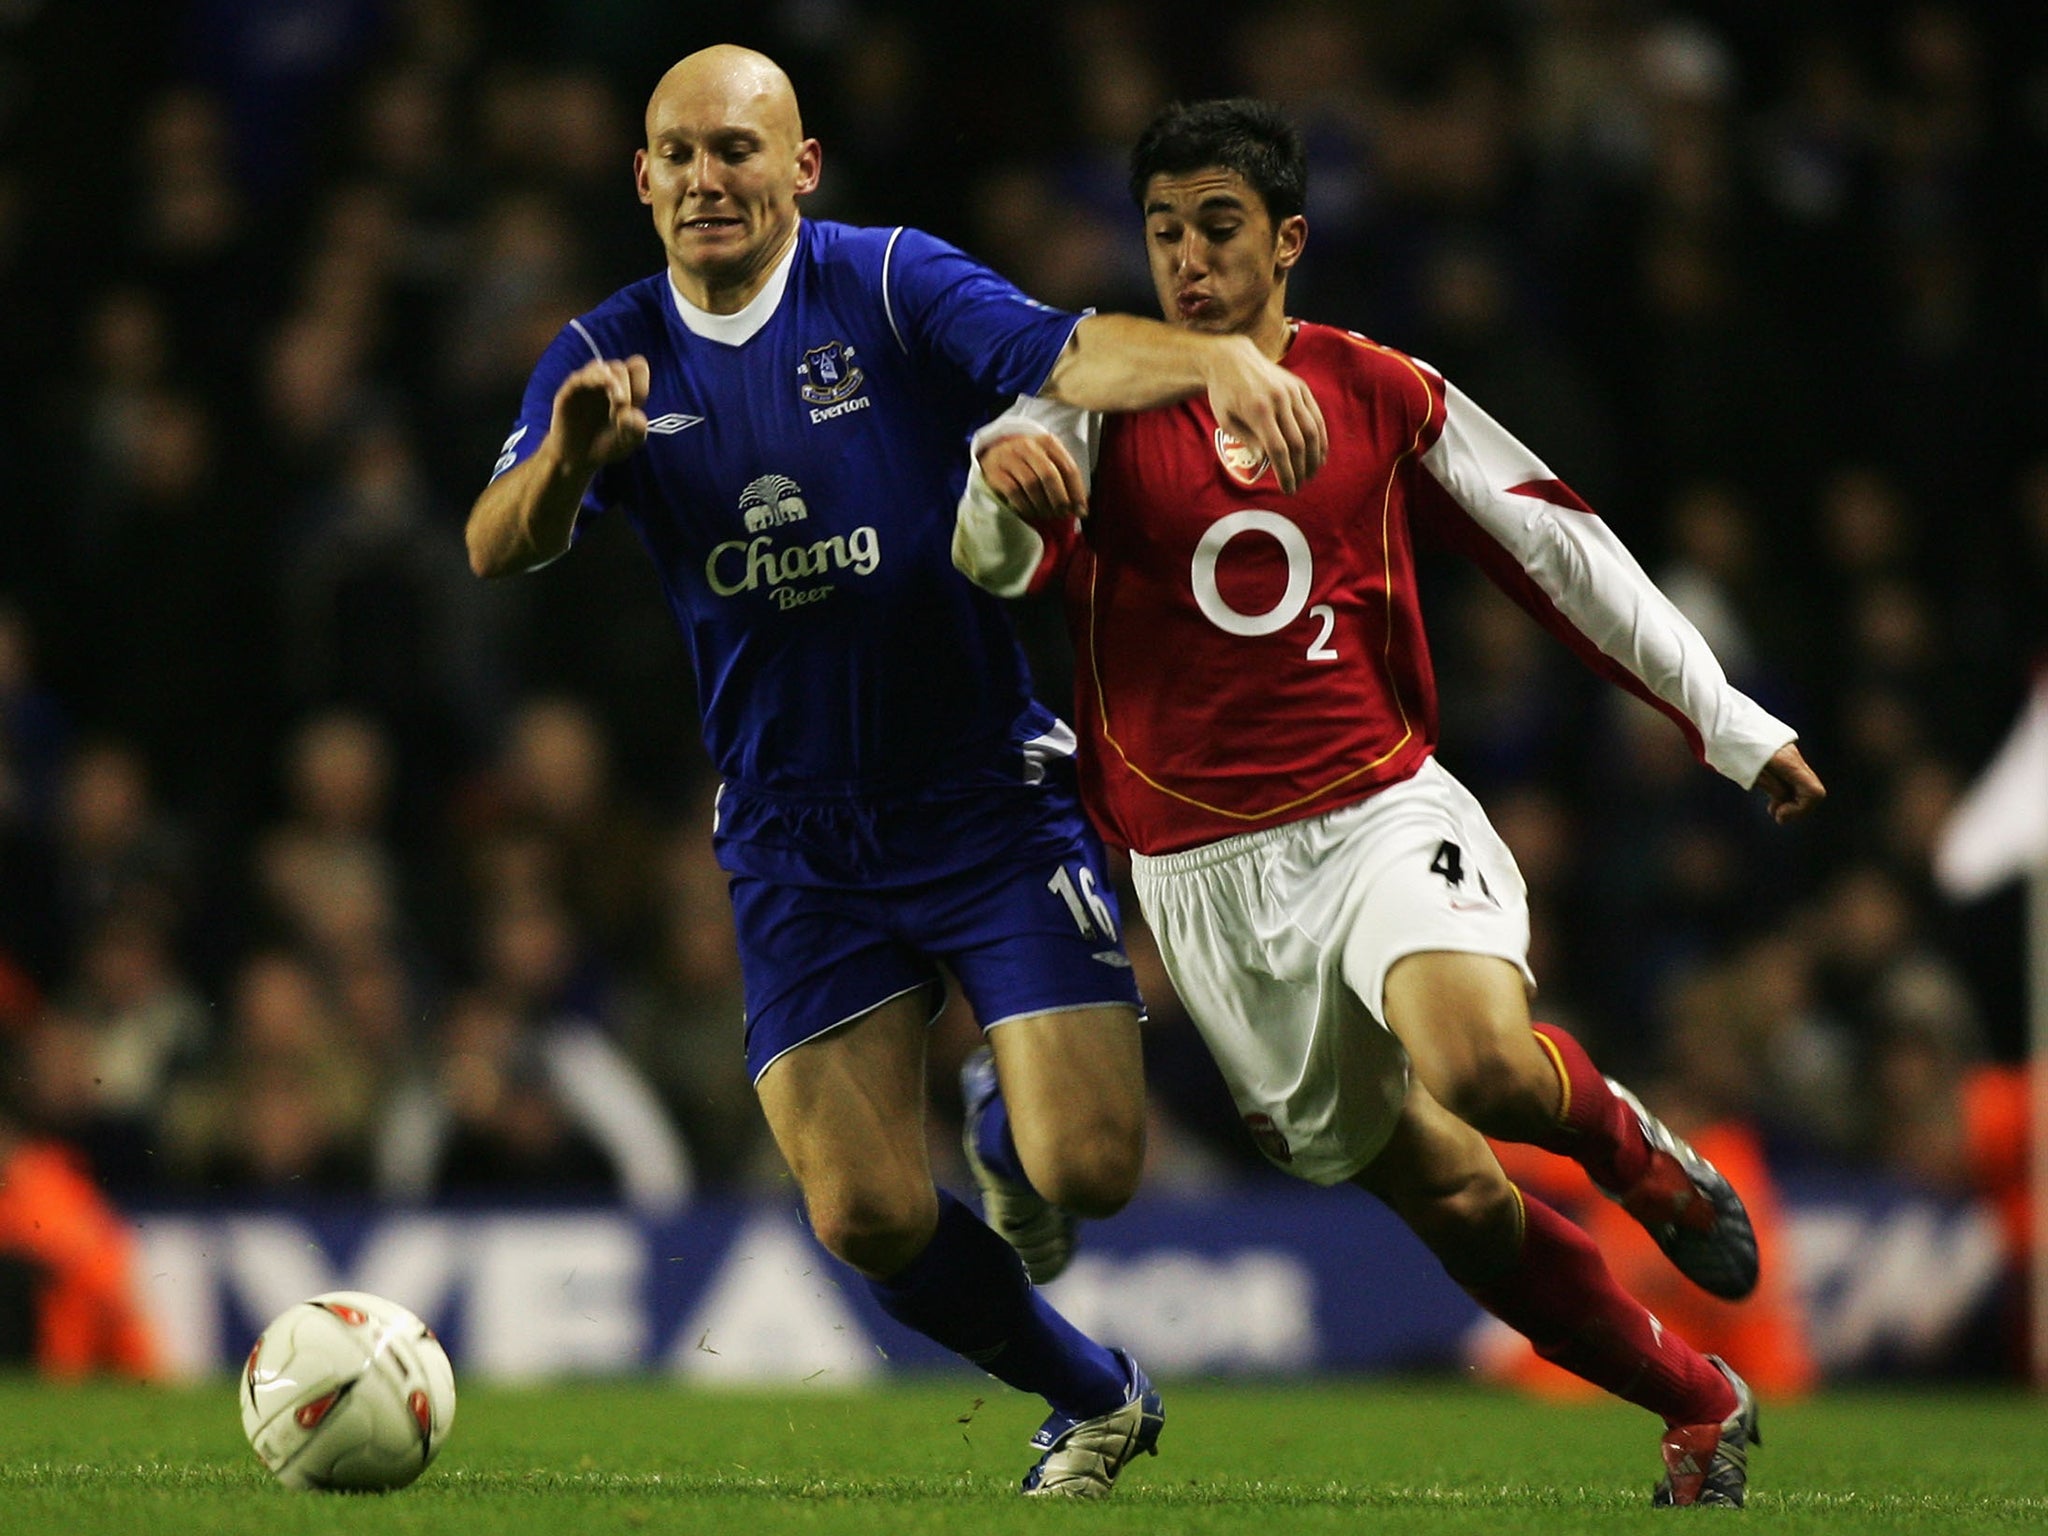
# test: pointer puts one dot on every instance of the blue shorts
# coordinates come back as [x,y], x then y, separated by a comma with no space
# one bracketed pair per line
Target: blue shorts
[842,905]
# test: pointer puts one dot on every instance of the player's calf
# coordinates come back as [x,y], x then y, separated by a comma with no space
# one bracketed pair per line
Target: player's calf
[1439,1176]
[1040,1231]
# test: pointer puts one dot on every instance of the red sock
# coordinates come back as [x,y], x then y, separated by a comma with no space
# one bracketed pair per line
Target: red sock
[1594,1128]
[1561,1296]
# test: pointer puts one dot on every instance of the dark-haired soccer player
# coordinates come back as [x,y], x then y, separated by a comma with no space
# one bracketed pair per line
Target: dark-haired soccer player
[1258,715]
[780,412]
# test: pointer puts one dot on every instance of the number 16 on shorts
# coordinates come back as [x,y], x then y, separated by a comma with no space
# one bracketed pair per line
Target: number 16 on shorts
[1075,885]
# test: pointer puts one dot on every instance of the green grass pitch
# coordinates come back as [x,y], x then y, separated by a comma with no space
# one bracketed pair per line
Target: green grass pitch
[943,1454]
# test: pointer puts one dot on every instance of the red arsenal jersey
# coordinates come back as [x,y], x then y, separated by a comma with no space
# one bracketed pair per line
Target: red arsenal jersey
[1246,658]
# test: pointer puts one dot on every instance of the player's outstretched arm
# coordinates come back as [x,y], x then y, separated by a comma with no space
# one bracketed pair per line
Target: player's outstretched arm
[525,517]
[1792,788]
[1124,363]
[1499,504]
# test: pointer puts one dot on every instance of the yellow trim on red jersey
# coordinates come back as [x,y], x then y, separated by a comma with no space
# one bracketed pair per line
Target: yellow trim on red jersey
[1386,518]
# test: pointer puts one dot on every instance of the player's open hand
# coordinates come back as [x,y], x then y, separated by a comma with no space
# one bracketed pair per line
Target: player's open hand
[1035,476]
[600,412]
[1257,400]
[1792,788]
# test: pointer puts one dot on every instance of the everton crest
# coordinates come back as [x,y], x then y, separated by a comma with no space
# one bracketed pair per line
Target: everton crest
[830,374]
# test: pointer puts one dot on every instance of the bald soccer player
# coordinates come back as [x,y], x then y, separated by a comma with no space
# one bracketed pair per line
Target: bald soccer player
[782,414]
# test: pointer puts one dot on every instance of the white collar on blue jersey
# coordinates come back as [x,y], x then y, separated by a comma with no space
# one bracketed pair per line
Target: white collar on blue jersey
[740,326]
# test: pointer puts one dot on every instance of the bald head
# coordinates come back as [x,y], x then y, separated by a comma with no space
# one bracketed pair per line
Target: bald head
[725,162]
[734,76]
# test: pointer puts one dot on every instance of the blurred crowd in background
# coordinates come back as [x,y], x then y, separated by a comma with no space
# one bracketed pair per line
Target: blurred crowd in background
[327,869]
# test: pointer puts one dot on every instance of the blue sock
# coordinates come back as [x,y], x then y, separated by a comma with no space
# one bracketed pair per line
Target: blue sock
[994,1144]
[968,1291]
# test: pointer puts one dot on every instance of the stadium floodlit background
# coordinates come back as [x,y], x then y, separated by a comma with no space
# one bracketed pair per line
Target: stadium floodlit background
[336,883]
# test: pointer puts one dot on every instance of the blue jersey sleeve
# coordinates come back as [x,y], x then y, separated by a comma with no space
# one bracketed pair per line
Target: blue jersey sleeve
[571,349]
[943,301]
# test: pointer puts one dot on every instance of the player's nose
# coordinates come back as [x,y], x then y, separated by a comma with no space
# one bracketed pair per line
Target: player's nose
[700,177]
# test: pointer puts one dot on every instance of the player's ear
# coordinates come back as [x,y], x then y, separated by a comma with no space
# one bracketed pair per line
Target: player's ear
[640,182]
[1289,240]
[810,161]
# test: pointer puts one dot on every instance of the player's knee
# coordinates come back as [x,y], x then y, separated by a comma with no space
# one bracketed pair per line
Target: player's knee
[1502,1091]
[1092,1173]
[1486,1087]
[876,1230]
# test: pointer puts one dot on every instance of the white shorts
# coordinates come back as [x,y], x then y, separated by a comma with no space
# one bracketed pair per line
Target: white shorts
[1279,943]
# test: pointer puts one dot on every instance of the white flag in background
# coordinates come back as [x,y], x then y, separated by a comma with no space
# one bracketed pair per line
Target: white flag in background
[1999,829]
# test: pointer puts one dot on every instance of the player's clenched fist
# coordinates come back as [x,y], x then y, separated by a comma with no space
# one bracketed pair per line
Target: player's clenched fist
[1791,787]
[1035,476]
[1271,408]
[599,414]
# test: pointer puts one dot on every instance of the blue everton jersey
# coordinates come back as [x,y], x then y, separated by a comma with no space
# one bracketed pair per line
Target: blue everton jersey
[797,490]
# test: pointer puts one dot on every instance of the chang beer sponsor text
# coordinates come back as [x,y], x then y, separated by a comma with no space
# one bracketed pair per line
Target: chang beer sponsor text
[777,558]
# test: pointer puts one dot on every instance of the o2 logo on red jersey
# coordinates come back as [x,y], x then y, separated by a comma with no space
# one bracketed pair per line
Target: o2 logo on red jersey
[1293,601]
[1241,461]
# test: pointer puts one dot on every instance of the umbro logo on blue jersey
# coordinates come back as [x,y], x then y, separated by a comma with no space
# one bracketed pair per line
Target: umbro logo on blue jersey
[674,422]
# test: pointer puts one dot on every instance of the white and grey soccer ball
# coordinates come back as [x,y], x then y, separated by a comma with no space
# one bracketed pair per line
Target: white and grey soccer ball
[347,1391]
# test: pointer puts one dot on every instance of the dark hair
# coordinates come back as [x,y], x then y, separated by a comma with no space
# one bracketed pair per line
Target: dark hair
[1252,138]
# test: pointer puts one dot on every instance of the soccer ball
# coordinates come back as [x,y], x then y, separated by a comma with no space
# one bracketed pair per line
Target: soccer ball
[347,1390]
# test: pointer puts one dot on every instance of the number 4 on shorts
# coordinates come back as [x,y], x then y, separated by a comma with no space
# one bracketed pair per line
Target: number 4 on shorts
[1450,863]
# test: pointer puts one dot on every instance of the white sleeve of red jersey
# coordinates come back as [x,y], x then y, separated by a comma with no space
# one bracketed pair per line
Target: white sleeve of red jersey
[994,547]
[1550,552]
